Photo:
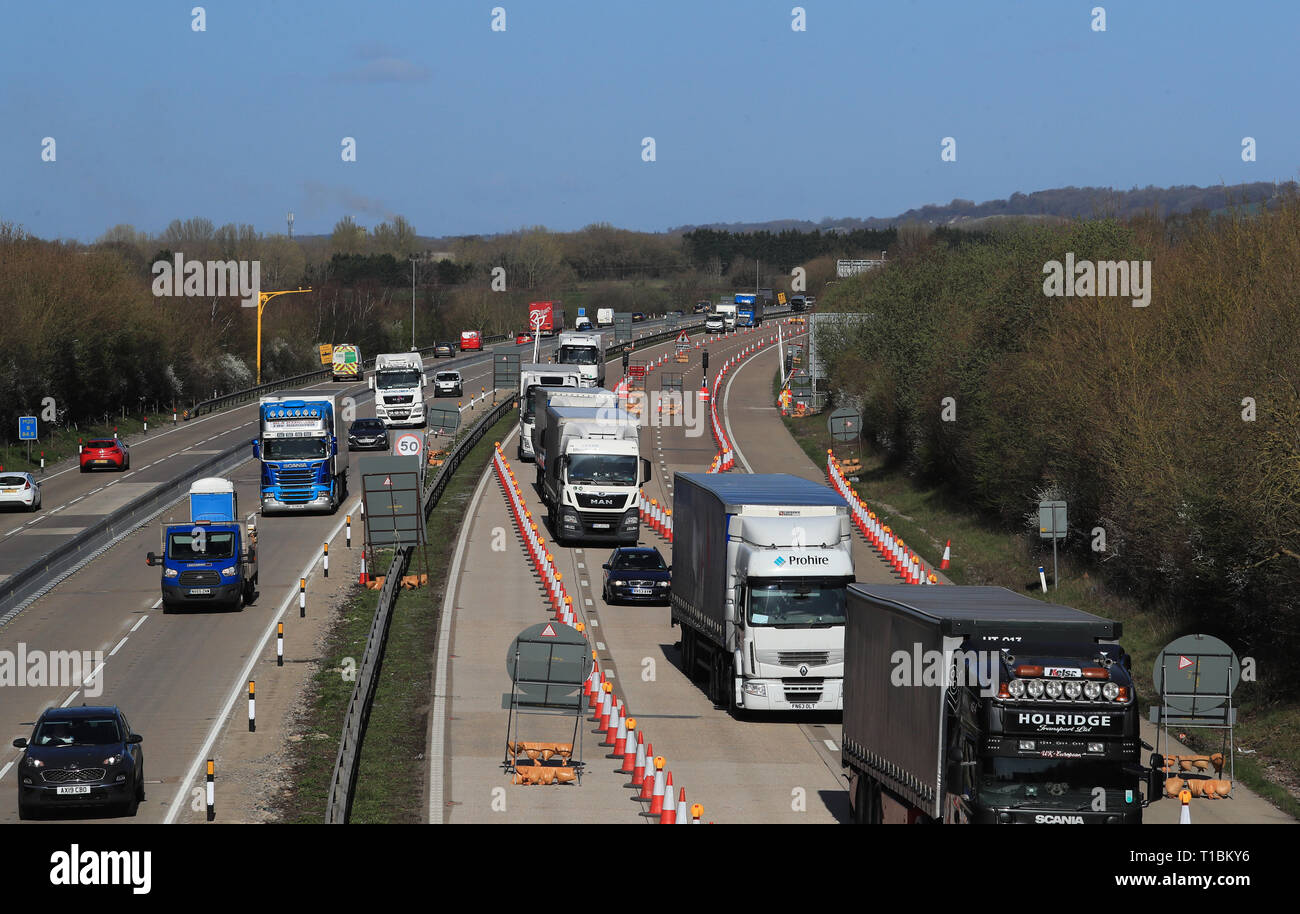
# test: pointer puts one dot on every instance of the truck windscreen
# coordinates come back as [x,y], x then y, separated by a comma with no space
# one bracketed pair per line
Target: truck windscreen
[293,449]
[578,355]
[390,379]
[796,603]
[602,470]
[1053,783]
[217,544]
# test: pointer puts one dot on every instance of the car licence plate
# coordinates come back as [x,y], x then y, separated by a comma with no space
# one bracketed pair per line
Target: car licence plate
[11,491]
[641,591]
[200,590]
[77,789]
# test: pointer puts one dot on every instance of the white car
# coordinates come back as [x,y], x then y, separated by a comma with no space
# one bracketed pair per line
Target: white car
[447,384]
[20,489]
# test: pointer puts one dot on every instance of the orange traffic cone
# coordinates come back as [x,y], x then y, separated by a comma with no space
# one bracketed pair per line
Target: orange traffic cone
[947,554]
[668,814]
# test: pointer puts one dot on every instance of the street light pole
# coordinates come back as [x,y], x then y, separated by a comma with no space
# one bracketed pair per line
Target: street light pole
[262,299]
[412,304]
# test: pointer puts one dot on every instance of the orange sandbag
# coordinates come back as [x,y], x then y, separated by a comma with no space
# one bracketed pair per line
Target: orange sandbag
[1173,786]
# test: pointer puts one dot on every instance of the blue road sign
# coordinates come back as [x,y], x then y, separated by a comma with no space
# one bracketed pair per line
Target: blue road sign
[26,428]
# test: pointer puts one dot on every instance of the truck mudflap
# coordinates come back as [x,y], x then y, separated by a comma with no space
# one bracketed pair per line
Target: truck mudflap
[803,694]
[183,596]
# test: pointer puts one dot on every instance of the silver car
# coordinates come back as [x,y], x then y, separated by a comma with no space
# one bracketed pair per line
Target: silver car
[715,323]
[20,489]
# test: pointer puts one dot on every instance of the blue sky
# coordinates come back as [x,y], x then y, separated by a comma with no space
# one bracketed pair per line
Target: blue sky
[465,130]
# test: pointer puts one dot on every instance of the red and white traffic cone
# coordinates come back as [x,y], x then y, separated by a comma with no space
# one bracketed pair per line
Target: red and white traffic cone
[683,816]
[638,766]
[616,720]
[620,736]
[648,781]
[657,796]
[628,748]
[947,555]
[668,815]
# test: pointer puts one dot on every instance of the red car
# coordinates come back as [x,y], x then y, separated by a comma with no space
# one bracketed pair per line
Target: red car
[105,452]
[522,338]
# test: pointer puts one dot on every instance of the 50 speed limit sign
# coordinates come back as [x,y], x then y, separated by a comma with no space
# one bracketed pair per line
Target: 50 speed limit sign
[408,445]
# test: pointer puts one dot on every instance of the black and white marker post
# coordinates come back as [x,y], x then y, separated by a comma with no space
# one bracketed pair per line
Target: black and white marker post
[348,525]
[326,560]
[212,790]
[302,598]
[252,708]
[279,644]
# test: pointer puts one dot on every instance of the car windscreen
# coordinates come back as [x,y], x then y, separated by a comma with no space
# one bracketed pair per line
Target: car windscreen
[602,469]
[367,426]
[85,731]
[211,546]
[391,378]
[293,448]
[638,561]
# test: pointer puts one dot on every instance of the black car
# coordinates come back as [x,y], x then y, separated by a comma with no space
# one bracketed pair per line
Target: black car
[637,574]
[638,316]
[80,757]
[445,348]
[368,433]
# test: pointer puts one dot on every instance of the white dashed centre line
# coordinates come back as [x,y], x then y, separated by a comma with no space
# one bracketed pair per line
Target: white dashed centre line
[70,699]
[118,648]
[138,624]
[600,645]
[830,744]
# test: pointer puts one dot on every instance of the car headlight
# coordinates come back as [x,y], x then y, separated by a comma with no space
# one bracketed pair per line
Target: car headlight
[230,572]
[615,583]
[113,760]
[35,763]
[170,572]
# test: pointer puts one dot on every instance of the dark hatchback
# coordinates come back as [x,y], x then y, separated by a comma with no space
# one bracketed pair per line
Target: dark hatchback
[367,433]
[637,574]
[444,350]
[80,757]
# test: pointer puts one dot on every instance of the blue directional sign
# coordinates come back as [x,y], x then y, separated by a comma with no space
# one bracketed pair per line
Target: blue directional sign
[26,428]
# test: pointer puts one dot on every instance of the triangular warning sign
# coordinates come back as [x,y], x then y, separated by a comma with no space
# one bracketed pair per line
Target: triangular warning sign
[388,480]
[549,631]
[1183,662]
[682,338]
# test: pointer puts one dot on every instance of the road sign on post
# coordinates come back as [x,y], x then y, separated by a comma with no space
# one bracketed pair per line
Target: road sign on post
[26,428]
[1051,525]
[408,445]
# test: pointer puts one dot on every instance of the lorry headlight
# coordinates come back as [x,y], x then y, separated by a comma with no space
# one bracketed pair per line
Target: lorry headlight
[757,689]
[1111,691]
[1035,688]
[569,519]
[1053,689]
[1073,689]
[170,572]
[230,572]
[1092,690]
[1017,688]
[1097,747]
[630,519]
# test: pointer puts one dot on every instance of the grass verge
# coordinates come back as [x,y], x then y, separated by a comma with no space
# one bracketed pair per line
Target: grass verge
[392,765]
[925,517]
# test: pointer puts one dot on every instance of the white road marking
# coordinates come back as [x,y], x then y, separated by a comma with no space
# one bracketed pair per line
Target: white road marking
[593,621]
[118,648]
[830,744]
[93,673]
[609,674]
[587,601]
[600,645]
[70,699]
[141,622]
[5,769]
[585,583]
[581,566]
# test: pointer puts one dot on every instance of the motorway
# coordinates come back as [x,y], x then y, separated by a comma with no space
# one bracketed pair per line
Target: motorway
[174,675]
[782,768]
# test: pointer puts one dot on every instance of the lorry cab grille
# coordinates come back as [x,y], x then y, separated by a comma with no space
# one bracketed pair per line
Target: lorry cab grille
[199,576]
[296,485]
[795,658]
[606,502]
[400,398]
[802,689]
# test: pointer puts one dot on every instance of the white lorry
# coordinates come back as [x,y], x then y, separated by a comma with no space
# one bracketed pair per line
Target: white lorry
[587,352]
[761,568]
[398,382]
[590,472]
[727,309]
[531,377]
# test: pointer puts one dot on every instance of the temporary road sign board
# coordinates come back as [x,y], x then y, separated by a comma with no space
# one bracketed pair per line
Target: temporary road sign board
[326,354]
[682,338]
[408,445]
[392,494]
[26,428]
[843,424]
[636,371]
[1196,674]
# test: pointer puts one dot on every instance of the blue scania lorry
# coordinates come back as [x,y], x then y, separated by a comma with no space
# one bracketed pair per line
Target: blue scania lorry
[212,560]
[303,467]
